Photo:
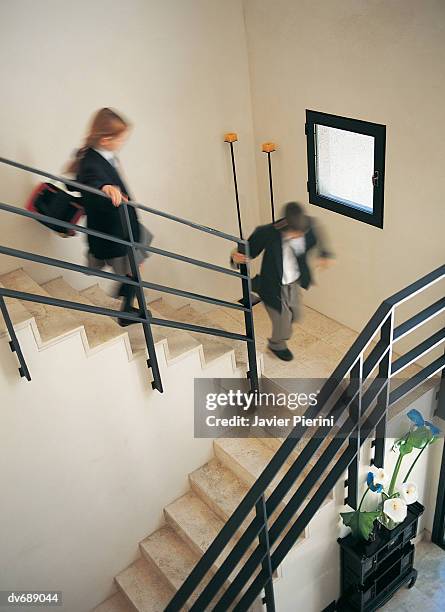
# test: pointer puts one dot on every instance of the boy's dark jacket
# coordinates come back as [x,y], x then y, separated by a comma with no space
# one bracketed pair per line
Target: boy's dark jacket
[267,238]
[96,171]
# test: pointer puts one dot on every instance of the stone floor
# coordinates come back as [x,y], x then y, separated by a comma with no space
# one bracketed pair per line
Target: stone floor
[428,594]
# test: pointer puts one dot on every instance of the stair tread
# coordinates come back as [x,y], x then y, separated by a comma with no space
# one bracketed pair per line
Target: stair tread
[225,319]
[99,329]
[115,603]
[198,525]
[144,588]
[52,321]
[17,312]
[174,558]
[219,487]
[195,520]
[179,342]
[214,347]
[249,456]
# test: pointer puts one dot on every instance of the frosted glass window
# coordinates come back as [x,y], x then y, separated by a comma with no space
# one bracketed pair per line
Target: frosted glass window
[345,166]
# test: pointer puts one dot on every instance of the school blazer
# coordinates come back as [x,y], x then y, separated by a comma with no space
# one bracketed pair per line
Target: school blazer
[267,238]
[96,171]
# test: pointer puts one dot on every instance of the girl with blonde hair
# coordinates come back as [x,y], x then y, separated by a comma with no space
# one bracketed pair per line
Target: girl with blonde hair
[96,164]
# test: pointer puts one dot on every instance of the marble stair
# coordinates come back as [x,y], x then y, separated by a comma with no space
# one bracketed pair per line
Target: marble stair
[193,520]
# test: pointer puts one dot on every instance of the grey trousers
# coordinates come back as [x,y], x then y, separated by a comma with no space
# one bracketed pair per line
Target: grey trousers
[121,265]
[282,321]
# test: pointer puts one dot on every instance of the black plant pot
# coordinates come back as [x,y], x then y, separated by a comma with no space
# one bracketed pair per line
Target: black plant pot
[372,571]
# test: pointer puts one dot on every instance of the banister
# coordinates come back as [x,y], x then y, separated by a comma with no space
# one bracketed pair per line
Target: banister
[90,232]
[372,396]
[417,286]
[154,211]
[144,316]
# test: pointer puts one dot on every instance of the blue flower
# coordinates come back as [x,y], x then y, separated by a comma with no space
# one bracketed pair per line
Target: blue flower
[377,488]
[418,420]
[434,430]
[415,416]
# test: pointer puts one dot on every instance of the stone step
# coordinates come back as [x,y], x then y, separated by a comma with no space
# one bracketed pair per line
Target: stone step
[233,320]
[172,557]
[115,603]
[99,329]
[218,487]
[144,588]
[214,347]
[198,525]
[194,521]
[247,458]
[52,321]
[17,312]
[179,342]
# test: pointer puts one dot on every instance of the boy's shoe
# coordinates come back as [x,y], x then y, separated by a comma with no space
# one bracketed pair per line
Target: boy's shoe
[284,354]
[254,298]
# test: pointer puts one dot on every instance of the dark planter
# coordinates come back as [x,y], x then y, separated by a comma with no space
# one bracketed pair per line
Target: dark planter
[372,571]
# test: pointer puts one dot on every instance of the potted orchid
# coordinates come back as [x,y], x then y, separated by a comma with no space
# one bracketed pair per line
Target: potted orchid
[395,498]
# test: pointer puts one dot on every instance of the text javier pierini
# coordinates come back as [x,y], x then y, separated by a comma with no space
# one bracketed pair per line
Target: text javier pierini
[273,421]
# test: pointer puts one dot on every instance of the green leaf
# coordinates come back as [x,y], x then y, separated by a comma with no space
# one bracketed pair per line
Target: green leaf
[406,447]
[361,523]
[419,437]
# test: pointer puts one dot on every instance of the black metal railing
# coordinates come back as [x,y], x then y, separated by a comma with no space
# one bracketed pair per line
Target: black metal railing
[363,403]
[144,316]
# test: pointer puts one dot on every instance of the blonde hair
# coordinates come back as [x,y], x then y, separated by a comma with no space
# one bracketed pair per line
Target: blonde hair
[105,123]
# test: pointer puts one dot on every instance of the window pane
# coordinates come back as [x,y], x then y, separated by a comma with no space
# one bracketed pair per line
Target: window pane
[345,165]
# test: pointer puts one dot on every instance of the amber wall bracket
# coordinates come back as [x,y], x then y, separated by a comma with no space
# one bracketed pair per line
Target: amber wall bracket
[230,138]
[269,148]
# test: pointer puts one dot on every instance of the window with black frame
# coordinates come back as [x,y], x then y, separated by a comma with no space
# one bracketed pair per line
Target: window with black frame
[346,166]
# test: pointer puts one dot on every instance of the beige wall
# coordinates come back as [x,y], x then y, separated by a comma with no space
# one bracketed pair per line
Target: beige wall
[87,471]
[178,70]
[374,60]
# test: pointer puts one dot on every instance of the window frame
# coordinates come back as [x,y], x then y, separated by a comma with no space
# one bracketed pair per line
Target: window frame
[378,131]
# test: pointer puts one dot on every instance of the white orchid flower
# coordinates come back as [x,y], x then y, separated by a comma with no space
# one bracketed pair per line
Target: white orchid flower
[380,476]
[395,509]
[408,492]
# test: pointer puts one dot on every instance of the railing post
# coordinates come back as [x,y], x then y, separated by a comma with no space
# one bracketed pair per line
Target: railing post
[266,564]
[386,336]
[440,410]
[14,342]
[252,374]
[438,532]
[152,361]
[355,412]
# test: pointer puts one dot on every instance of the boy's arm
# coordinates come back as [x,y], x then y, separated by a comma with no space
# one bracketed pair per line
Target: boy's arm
[320,241]
[325,255]
[257,243]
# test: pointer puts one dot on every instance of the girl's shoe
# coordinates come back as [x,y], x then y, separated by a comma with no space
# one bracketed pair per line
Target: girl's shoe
[127,322]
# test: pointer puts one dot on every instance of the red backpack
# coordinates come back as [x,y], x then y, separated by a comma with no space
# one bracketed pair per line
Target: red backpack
[47,199]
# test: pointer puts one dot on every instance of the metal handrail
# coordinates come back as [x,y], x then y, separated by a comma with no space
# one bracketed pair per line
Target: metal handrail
[353,433]
[154,211]
[144,316]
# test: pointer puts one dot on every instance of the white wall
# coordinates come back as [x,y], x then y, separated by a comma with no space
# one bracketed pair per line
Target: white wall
[89,457]
[373,60]
[178,70]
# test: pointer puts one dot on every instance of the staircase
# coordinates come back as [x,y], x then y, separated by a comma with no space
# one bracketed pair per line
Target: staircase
[169,554]
[192,521]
